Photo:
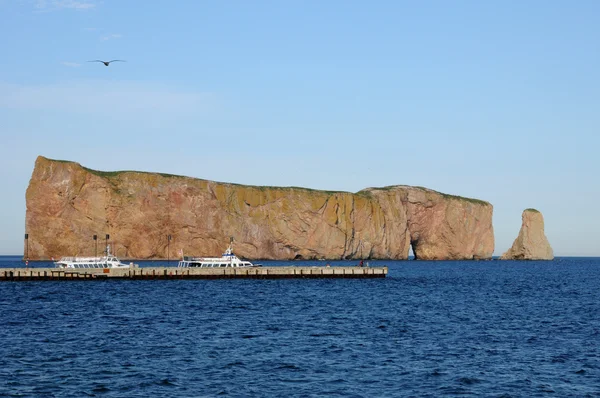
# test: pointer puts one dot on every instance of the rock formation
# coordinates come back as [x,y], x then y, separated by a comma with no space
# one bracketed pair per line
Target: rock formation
[531,244]
[67,204]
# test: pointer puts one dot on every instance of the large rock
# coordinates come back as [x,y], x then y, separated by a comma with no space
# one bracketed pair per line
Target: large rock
[67,204]
[531,244]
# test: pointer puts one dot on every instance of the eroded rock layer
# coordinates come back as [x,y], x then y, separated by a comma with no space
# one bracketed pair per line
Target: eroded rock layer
[531,244]
[67,204]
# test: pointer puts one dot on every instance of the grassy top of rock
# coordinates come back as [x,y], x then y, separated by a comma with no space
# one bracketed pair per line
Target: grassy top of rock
[365,192]
[444,195]
[111,174]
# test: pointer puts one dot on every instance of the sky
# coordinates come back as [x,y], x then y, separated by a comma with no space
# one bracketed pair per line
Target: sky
[495,100]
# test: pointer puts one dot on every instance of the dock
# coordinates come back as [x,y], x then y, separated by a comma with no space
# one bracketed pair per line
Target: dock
[145,273]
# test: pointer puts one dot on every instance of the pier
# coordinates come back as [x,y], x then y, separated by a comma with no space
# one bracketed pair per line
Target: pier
[145,273]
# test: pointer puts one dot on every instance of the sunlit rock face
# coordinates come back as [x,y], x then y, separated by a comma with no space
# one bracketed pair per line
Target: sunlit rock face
[67,204]
[531,244]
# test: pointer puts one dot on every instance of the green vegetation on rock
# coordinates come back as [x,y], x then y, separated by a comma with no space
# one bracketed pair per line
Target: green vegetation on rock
[365,192]
[268,187]
[109,174]
[471,200]
[444,195]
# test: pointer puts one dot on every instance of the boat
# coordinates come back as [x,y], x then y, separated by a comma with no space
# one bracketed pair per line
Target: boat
[227,260]
[106,261]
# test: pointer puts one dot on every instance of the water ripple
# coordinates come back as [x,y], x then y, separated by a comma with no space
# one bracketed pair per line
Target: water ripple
[499,329]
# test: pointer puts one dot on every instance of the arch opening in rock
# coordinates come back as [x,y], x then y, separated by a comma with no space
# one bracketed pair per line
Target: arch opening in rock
[413,248]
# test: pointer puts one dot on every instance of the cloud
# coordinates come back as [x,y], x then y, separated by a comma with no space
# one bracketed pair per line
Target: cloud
[71,64]
[106,97]
[48,5]
[111,36]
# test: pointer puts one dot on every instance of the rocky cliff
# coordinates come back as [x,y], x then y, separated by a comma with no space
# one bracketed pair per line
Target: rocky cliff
[67,204]
[531,244]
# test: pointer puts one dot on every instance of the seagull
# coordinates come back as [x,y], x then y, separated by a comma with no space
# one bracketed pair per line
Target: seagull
[107,62]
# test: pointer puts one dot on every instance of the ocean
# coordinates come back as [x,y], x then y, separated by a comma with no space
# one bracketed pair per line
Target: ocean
[447,328]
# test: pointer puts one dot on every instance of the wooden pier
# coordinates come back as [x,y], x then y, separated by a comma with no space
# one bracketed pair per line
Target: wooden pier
[94,274]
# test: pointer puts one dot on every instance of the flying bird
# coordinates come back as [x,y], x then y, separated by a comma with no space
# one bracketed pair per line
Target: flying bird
[107,62]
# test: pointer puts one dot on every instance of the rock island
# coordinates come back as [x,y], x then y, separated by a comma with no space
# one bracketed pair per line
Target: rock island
[67,204]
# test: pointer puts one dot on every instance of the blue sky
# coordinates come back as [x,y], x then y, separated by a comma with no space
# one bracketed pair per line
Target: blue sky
[496,100]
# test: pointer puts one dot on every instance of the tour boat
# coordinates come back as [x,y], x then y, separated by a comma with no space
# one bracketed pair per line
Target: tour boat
[107,261]
[228,259]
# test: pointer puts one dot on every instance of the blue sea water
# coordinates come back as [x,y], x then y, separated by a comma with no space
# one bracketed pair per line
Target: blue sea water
[486,328]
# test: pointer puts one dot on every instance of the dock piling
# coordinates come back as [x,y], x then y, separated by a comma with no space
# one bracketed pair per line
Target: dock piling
[49,274]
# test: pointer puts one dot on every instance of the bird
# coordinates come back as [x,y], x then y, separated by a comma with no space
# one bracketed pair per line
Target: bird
[107,62]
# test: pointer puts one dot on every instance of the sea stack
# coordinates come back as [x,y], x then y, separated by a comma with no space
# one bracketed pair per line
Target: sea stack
[531,244]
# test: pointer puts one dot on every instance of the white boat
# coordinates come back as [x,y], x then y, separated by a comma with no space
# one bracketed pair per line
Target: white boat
[107,261]
[227,260]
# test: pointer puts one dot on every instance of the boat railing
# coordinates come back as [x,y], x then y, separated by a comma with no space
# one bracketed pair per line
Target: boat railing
[190,258]
[83,259]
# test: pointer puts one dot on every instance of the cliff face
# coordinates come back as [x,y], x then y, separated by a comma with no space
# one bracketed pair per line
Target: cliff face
[531,244]
[67,204]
